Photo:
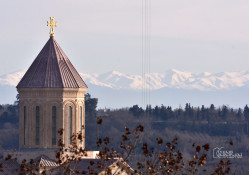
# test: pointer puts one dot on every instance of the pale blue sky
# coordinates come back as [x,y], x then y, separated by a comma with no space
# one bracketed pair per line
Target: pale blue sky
[103,35]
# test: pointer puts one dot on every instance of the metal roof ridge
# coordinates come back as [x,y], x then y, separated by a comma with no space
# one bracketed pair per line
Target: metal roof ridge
[57,56]
[63,54]
[73,72]
[46,71]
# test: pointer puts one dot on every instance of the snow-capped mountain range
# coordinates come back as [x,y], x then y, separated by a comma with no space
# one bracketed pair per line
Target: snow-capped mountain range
[172,87]
[171,79]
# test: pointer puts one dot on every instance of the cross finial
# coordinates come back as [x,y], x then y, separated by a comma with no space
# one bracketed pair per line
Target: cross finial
[52,24]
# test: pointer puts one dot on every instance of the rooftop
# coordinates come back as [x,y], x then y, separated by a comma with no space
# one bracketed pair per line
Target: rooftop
[51,69]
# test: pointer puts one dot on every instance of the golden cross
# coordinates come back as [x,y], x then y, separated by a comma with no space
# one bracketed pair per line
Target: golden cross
[52,24]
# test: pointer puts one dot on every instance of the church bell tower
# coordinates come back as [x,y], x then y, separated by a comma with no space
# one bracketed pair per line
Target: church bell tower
[51,97]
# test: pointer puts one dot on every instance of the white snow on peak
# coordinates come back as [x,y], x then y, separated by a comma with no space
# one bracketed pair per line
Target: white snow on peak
[11,79]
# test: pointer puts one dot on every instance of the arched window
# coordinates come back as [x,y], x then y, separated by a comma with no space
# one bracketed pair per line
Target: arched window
[80,122]
[54,125]
[69,124]
[24,125]
[37,128]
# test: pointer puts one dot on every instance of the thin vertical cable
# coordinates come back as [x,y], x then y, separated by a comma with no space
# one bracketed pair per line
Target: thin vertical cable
[149,46]
[142,49]
[146,54]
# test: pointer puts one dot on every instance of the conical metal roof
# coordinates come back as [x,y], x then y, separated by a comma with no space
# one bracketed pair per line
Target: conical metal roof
[51,69]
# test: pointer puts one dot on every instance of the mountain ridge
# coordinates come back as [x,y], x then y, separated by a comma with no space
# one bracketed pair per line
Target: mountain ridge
[172,87]
[171,78]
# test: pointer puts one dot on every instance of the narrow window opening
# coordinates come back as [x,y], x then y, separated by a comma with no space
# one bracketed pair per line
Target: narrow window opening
[37,133]
[54,125]
[69,125]
[81,123]
[24,125]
